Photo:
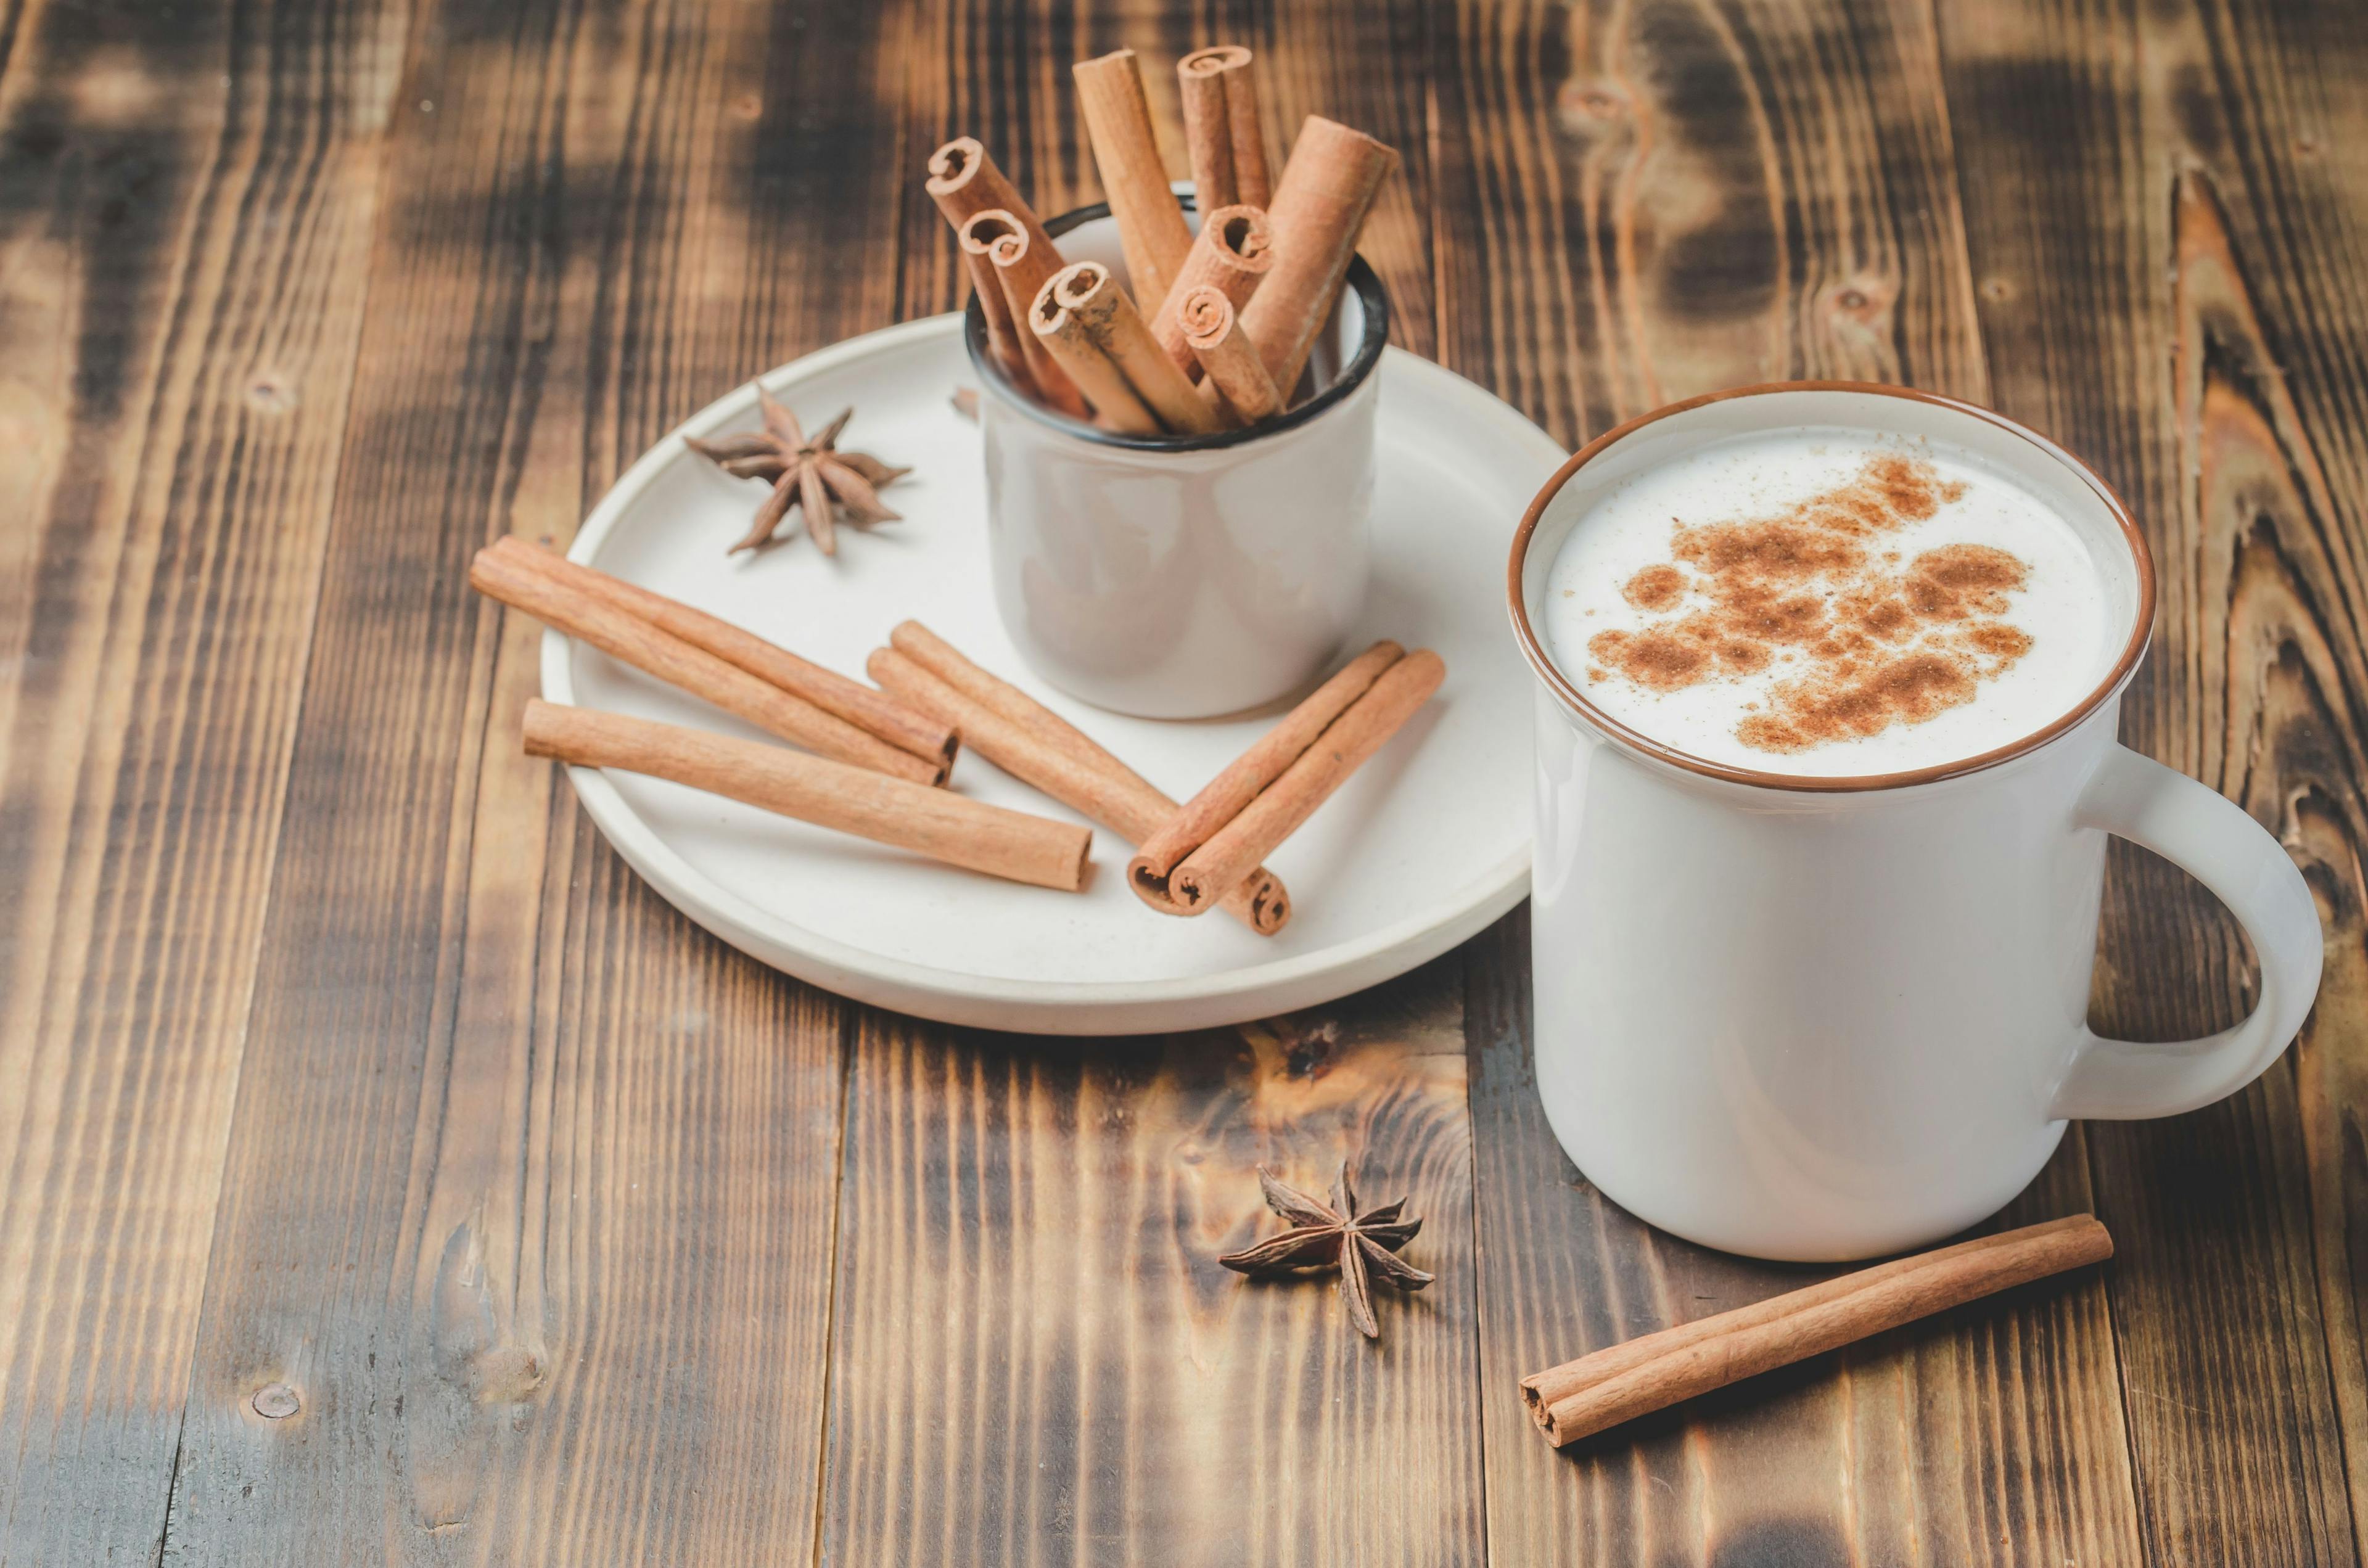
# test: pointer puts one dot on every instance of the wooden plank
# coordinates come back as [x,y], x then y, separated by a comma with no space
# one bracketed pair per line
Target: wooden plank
[1035,1356]
[2181,304]
[526,1238]
[187,197]
[1638,203]
[1039,1360]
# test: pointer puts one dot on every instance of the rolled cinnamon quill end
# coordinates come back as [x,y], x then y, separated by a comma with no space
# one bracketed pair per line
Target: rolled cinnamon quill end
[1213,334]
[1655,1371]
[1232,252]
[935,823]
[1021,268]
[1151,227]
[1081,357]
[1094,299]
[963,180]
[626,637]
[1037,746]
[901,726]
[1327,188]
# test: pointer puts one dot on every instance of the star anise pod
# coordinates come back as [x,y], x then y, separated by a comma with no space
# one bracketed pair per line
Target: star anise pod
[809,473]
[1335,1236]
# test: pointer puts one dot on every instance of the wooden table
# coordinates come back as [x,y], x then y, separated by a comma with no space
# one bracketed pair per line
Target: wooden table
[389,1174]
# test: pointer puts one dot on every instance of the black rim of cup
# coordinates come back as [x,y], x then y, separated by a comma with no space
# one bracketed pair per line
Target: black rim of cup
[1362,278]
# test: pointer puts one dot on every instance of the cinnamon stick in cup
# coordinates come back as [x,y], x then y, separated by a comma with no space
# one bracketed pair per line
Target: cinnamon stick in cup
[1003,339]
[1037,746]
[1657,1370]
[1232,254]
[1226,148]
[901,726]
[963,180]
[1094,299]
[1327,188]
[1116,405]
[935,823]
[1021,268]
[1244,815]
[1151,227]
[628,638]
[1213,334]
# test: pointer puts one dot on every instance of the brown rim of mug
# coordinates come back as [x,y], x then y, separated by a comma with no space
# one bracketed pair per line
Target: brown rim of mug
[1533,649]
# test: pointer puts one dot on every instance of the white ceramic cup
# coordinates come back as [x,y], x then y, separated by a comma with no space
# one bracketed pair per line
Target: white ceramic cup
[1184,576]
[1825,1018]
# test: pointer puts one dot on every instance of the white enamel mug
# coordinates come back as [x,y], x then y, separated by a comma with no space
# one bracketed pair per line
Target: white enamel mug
[1820,1018]
[1184,576]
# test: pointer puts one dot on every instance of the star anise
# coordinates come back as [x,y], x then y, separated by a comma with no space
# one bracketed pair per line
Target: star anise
[1335,1236]
[813,474]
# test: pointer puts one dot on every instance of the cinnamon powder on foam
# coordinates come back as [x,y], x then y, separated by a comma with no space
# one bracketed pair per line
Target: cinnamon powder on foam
[1874,642]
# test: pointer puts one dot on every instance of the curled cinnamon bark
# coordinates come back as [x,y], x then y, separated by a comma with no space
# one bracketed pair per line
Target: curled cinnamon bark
[1232,254]
[1327,188]
[935,823]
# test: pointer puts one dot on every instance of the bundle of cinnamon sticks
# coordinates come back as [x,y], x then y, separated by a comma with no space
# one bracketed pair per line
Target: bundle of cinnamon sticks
[882,753]
[1218,327]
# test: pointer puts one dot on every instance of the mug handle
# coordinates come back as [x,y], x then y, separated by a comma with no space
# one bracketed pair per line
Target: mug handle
[2217,843]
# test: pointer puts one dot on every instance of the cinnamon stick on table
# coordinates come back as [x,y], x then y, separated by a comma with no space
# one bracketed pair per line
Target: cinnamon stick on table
[1214,333]
[1151,227]
[1095,301]
[935,823]
[1241,816]
[1327,188]
[1020,267]
[1221,138]
[1038,747]
[900,725]
[1232,254]
[627,637]
[1655,1371]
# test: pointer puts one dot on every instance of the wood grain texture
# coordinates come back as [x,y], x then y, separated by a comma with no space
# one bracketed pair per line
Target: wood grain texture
[185,205]
[1638,202]
[1039,1360]
[526,1250]
[2174,306]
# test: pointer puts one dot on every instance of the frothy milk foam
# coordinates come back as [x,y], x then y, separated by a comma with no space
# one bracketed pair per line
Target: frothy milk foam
[1823,601]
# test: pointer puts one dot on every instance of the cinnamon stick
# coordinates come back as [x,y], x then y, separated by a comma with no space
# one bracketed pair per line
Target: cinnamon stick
[963,180]
[1082,359]
[901,726]
[627,637]
[1229,66]
[1657,1370]
[1240,782]
[1327,188]
[1094,299]
[1151,227]
[1002,341]
[1208,133]
[1037,747]
[1249,837]
[1232,254]
[1021,266]
[1214,333]
[936,823]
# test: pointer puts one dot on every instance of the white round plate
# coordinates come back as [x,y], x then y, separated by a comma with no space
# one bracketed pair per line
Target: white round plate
[1424,845]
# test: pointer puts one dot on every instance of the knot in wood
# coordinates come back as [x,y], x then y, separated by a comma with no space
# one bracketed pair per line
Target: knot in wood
[276,1401]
